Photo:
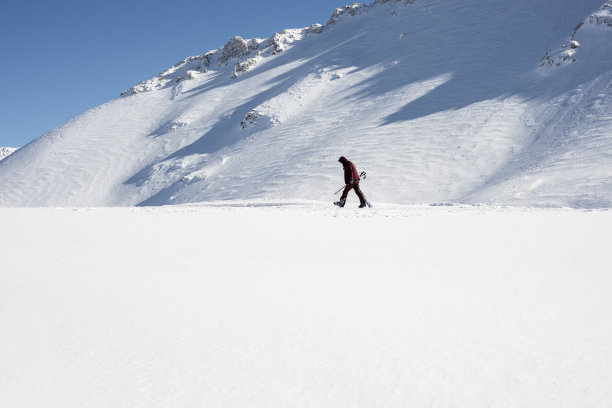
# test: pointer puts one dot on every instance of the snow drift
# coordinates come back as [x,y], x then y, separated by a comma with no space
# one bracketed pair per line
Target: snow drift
[439,101]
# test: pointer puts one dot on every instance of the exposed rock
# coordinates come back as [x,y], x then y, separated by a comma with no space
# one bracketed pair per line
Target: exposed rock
[358,8]
[6,151]
[235,48]
[254,44]
[395,1]
[246,65]
[275,42]
[315,29]
[346,10]
[250,118]
[188,75]
[256,118]
[280,41]
[176,73]
[603,17]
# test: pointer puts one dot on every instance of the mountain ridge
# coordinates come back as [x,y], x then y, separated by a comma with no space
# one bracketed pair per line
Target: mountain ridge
[439,101]
[6,151]
[248,52]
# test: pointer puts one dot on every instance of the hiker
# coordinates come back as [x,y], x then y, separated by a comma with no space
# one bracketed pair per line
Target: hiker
[351,179]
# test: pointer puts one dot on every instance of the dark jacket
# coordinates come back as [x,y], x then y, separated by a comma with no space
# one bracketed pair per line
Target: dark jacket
[350,171]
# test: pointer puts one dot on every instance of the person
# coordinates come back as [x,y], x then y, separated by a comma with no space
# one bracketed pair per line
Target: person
[351,179]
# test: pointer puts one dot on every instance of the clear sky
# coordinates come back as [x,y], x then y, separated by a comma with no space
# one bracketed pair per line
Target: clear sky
[61,58]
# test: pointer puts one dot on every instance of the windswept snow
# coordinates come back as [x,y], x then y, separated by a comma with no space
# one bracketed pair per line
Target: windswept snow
[294,304]
[5,151]
[439,101]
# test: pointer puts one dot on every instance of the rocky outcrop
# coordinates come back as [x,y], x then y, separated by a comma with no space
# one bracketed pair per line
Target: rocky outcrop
[601,18]
[185,69]
[243,66]
[359,8]
[6,151]
[244,54]
[344,11]
[235,48]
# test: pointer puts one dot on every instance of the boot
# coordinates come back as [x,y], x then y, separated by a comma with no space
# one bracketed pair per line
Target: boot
[340,203]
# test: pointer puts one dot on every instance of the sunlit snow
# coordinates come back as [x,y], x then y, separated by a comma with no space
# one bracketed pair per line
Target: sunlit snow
[196,259]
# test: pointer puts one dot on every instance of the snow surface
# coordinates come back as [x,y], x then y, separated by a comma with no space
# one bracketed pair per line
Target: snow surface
[261,295]
[5,151]
[499,102]
[293,304]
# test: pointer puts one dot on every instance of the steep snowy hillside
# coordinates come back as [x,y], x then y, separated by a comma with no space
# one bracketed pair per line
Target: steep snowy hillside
[5,151]
[439,101]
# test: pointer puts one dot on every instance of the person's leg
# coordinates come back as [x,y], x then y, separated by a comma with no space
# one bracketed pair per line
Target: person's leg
[346,191]
[340,203]
[359,193]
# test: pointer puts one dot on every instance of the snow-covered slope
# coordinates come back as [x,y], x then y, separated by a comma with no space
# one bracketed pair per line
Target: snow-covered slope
[5,151]
[439,101]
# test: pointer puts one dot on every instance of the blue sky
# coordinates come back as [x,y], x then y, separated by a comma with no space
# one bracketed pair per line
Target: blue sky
[61,58]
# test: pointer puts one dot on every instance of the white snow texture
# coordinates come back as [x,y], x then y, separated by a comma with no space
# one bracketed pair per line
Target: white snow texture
[6,151]
[255,292]
[260,305]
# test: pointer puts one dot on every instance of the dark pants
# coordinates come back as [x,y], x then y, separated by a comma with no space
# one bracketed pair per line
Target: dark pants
[353,186]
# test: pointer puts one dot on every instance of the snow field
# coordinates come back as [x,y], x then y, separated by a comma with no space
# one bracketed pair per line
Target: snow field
[275,304]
